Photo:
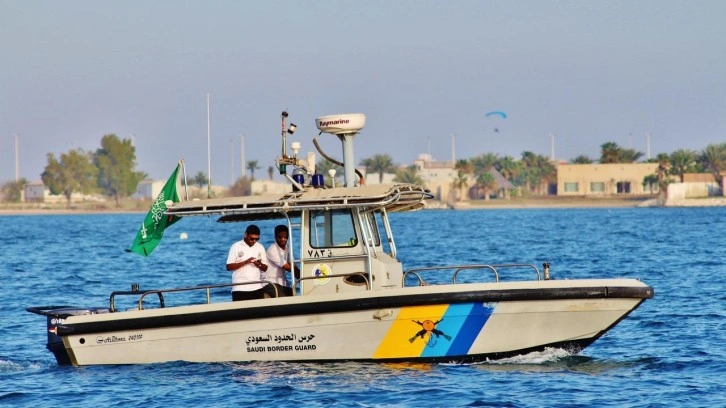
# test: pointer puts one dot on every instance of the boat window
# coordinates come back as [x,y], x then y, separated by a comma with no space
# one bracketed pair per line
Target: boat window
[373,228]
[332,229]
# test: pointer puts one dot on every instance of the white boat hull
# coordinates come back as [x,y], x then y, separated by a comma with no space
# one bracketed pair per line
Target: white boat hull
[477,322]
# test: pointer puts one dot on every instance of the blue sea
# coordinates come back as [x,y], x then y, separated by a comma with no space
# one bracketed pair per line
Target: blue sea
[671,352]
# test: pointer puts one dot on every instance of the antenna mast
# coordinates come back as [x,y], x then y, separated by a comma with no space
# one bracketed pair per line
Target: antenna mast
[17,159]
[209,153]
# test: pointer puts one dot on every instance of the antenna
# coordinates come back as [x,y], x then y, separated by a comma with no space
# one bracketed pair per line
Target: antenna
[209,153]
[453,150]
[231,154]
[242,154]
[647,146]
[17,159]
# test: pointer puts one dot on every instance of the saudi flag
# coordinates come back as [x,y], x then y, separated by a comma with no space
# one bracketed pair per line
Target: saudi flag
[156,222]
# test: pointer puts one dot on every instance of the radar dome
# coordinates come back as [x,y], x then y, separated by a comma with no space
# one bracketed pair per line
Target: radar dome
[341,124]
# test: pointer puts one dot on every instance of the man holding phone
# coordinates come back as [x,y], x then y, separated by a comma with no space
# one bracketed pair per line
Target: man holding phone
[248,262]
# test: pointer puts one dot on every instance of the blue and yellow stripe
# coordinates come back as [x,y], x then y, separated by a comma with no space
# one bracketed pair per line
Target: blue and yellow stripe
[462,322]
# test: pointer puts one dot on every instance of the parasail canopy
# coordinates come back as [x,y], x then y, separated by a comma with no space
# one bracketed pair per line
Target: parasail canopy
[497,113]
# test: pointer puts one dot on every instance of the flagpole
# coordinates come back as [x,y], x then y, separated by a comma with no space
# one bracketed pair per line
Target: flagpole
[184,172]
[209,153]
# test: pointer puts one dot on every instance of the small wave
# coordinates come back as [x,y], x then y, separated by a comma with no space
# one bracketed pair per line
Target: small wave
[8,366]
[548,355]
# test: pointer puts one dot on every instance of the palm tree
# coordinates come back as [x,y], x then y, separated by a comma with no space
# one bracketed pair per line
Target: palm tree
[628,155]
[461,181]
[408,175]
[713,158]
[510,169]
[252,166]
[662,174]
[380,163]
[270,172]
[484,162]
[682,161]
[530,173]
[649,181]
[485,181]
[200,179]
[612,153]
[609,152]
[538,172]
[547,174]
[581,159]
[463,165]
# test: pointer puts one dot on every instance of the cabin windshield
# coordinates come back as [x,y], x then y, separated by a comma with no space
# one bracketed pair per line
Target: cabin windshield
[332,229]
[372,228]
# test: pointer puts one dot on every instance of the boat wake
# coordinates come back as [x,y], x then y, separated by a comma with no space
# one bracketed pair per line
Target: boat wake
[548,355]
[9,366]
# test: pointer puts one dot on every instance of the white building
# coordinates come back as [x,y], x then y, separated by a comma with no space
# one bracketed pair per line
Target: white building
[148,189]
[35,191]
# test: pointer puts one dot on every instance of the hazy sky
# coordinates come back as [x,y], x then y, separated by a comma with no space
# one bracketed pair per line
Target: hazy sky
[588,71]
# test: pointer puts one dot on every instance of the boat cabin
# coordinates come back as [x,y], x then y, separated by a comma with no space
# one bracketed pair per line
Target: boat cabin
[340,238]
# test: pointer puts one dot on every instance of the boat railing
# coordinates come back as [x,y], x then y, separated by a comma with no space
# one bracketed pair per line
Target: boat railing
[458,268]
[50,311]
[160,293]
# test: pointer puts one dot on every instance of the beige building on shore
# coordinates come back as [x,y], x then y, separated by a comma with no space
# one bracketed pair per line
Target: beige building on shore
[438,176]
[604,179]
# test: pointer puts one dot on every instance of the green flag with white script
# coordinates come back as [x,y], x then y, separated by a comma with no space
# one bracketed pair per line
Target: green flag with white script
[156,222]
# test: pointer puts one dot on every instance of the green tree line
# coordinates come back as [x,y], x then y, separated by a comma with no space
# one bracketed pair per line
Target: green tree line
[110,170]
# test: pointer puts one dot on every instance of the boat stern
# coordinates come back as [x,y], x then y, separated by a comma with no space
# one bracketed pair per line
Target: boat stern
[55,316]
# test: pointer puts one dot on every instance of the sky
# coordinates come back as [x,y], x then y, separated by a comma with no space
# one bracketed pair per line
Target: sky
[425,73]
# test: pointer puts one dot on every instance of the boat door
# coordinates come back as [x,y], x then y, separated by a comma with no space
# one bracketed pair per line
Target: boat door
[341,252]
[332,259]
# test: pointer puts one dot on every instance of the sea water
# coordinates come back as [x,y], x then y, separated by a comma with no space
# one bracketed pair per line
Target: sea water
[671,352]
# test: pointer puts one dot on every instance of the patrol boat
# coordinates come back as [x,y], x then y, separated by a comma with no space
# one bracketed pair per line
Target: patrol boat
[353,300]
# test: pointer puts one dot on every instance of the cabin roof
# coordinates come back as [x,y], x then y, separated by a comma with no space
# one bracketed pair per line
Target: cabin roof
[392,197]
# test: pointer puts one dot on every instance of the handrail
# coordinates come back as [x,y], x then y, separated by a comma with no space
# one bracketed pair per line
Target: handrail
[160,292]
[46,310]
[459,268]
[112,298]
[519,265]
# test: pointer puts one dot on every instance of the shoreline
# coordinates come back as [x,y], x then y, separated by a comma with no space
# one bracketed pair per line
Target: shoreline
[589,202]
[513,203]
[60,211]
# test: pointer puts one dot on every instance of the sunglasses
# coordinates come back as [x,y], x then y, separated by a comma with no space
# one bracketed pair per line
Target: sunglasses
[251,238]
